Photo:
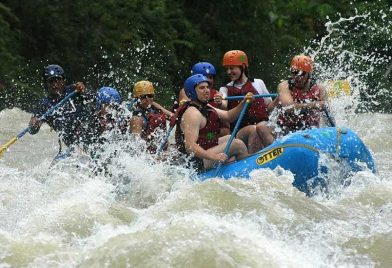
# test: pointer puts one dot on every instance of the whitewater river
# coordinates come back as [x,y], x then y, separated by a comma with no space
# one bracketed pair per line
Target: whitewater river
[66,216]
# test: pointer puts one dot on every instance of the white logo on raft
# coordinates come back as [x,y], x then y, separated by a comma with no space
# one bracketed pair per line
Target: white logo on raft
[269,156]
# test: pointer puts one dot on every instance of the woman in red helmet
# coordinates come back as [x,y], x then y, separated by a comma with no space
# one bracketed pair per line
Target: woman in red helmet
[236,64]
[300,101]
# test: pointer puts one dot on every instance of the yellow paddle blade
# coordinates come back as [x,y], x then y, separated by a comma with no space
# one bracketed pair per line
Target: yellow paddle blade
[338,88]
[8,144]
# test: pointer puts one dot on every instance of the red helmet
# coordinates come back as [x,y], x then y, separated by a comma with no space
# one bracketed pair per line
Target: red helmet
[235,58]
[302,63]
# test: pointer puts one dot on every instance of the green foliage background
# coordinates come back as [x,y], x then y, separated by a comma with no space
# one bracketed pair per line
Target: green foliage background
[118,42]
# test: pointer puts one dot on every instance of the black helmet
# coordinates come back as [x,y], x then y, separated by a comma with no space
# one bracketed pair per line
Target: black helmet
[53,70]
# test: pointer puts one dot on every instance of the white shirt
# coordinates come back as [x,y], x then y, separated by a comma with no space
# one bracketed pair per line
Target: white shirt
[258,84]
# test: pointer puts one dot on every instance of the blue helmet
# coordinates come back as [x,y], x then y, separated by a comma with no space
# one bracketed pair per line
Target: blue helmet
[191,83]
[204,68]
[53,70]
[107,95]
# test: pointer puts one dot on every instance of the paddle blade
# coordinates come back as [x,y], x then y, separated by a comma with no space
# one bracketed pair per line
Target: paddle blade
[8,144]
[338,88]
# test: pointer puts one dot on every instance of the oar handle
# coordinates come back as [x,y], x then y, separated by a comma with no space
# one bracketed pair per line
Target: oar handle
[242,97]
[256,96]
[164,141]
[330,118]
[233,134]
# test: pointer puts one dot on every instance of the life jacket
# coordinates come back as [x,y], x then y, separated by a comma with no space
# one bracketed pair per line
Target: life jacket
[208,135]
[153,120]
[294,121]
[256,112]
[74,121]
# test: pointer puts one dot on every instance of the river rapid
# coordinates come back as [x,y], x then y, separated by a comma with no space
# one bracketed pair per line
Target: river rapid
[146,213]
[66,216]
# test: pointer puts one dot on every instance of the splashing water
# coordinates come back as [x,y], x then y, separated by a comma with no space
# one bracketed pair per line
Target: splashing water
[150,214]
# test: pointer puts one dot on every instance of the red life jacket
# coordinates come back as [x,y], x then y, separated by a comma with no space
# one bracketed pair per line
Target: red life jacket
[208,135]
[256,112]
[153,120]
[308,118]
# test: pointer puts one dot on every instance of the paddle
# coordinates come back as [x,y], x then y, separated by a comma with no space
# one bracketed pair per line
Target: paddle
[24,131]
[233,134]
[164,141]
[242,97]
[256,96]
[330,118]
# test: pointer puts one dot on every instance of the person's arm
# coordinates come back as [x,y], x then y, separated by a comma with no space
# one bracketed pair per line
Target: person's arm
[80,87]
[231,115]
[284,95]
[136,125]
[159,107]
[224,93]
[262,90]
[190,125]
[35,123]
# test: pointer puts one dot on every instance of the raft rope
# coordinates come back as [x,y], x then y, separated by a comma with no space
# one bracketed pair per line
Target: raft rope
[335,155]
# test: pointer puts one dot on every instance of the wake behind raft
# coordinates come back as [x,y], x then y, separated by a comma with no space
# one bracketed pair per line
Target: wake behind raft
[301,154]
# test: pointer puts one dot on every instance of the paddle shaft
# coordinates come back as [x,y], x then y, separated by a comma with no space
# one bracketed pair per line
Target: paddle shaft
[242,97]
[233,134]
[256,96]
[330,118]
[164,141]
[24,131]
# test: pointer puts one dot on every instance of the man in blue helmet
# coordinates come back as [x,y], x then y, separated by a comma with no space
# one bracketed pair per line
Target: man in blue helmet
[109,112]
[197,126]
[208,70]
[74,121]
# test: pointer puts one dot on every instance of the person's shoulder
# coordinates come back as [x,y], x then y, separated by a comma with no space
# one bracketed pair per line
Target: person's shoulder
[223,88]
[258,81]
[192,111]
[283,83]
[260,84]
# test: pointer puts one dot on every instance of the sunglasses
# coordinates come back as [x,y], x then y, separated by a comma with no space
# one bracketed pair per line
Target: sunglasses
[298,73]
[150,96]
[54,79]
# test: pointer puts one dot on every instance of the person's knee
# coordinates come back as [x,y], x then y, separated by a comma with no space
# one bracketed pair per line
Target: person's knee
[263,129]
[239,145]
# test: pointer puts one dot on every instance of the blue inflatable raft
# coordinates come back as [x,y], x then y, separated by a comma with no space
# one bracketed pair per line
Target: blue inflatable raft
[301,153]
